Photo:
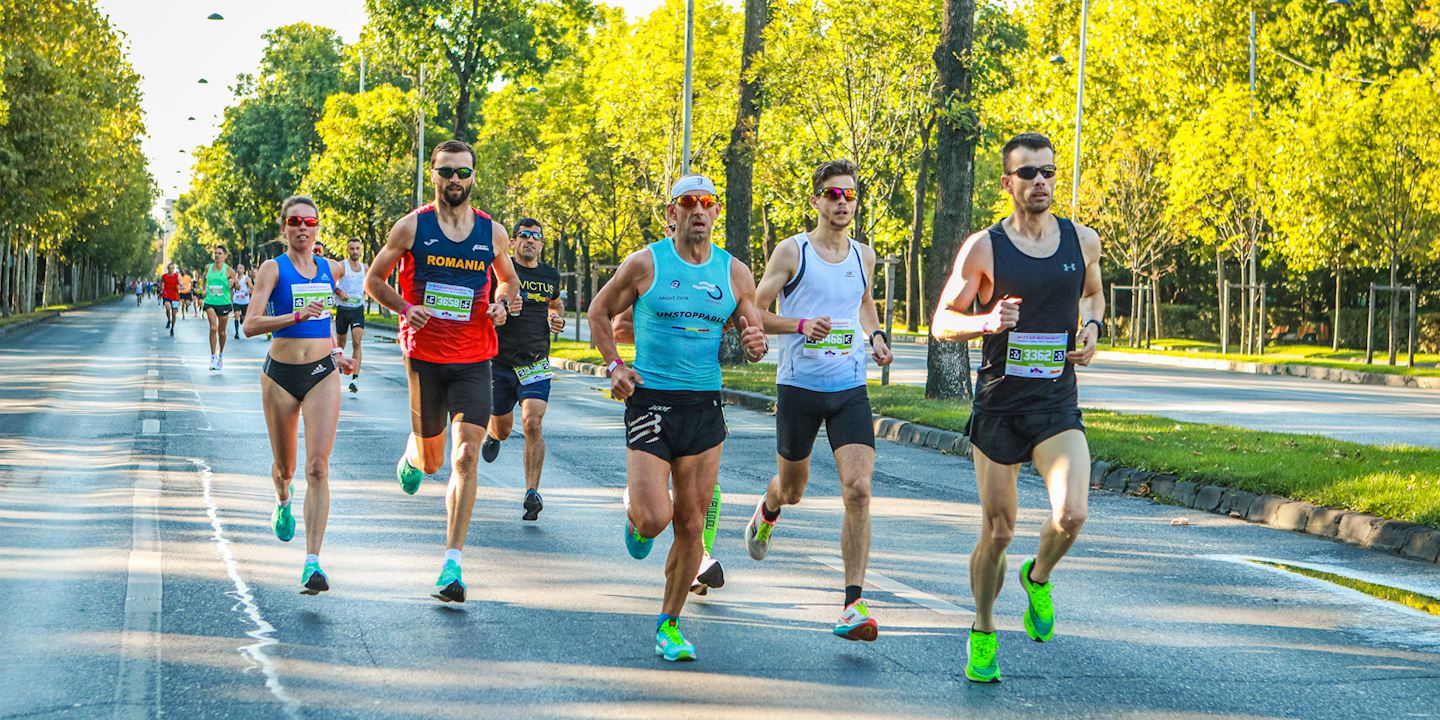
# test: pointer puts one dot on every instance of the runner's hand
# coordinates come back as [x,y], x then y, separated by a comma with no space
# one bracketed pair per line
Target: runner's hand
[1086,352]
[342,294]
[817,328]
[557,322]
[498,313]
[514,305]
[754,340]
[623,382]
[880,350]
[1004,317]
[313,310]
[417,317]
[348,365]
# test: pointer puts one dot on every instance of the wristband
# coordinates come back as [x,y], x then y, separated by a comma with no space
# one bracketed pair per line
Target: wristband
[882,335]
[800,329]
[1099,327]
[985,328]
[297,316]
[613,366]
[406,311]
[337,351]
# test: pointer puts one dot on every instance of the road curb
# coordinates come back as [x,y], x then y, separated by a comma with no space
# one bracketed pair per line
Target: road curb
[1311,372]
[1409,540]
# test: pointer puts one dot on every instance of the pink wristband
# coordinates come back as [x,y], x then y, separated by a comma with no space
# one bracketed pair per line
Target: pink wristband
[297,316]
[800,329]
[406,311]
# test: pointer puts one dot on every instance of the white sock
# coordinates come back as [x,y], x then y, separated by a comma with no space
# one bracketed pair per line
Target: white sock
[452,554]
[312,559]
[286,501]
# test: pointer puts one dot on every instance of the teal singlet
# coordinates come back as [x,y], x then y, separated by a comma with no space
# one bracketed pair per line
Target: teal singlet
[679,320]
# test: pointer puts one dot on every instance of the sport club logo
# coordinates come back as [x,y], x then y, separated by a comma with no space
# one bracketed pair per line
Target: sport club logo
[710,289]
[674,284]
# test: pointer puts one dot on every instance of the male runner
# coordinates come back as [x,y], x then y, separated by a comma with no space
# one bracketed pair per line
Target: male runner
[521,373]
[186,282]
[826,313]
[219,282]
[170,295]
[683,290]
[350,310]
[1036,276]
[445,251]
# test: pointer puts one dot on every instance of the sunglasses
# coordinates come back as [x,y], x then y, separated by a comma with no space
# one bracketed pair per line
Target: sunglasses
[1028,172]
[528,235]
[835,193]
[297,221]
[690,201]
[449,172]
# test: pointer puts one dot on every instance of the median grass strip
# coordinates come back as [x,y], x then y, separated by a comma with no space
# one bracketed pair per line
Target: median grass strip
[1397,482]
[1312,355]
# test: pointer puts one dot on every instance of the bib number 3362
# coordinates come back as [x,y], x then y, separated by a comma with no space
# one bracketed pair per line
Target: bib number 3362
[1036,355]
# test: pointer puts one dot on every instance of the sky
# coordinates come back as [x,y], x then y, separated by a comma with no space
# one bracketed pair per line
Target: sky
[172,46]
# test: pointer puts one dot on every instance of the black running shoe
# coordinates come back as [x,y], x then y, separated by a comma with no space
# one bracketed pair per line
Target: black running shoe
[533,504]
[489,450]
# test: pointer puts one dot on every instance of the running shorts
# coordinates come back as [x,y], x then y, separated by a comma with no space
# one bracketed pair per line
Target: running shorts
[299,380]
[444,392]
[348,317]
[508,392]
[799,413]
[1011,439]
[672,424]
[221,310]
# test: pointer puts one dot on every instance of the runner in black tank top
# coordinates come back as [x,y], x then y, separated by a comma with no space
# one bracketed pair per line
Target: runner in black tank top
[1037,279]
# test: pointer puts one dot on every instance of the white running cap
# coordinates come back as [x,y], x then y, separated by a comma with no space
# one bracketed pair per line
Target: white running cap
[691,183]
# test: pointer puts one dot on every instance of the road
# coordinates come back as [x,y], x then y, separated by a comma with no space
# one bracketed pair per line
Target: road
[1374,415]
[139,576]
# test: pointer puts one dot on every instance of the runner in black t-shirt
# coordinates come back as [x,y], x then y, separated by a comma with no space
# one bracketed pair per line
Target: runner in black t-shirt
[521,371]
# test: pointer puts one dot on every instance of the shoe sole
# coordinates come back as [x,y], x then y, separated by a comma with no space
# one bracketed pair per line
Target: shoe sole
[864,631]
[353,388]
[982,681]
[714,577]
[700,589]
[453,592]
[316,585]
[688,657]
[532,514]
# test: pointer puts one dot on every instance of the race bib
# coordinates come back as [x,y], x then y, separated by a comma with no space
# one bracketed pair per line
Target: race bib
[449,302]
[303,294]
[839,343]
[535,372]
[1036,355]
[217,291]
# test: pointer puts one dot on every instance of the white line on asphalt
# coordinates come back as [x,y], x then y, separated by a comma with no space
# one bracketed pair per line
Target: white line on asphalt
[264,632]
[899,589]
[137,684]
[152,395]
[152,373]
[150,426]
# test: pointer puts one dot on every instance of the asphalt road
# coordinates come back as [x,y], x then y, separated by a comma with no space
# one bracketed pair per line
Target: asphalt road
[1374,415]
[139,576]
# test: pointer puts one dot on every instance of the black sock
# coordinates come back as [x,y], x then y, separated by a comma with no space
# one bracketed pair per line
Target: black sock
[770,515]
[1031,578]
[852,593]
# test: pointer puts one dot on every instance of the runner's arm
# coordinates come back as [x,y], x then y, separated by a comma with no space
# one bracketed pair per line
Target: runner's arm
[339,270]
[1092,299]
[401,239]
[870,317]
[746,317]
[257,323]
[509,287]
[614,298]
[974,265]
[783,264]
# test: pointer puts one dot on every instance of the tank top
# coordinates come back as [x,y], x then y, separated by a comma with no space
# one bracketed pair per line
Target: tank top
[1024,369]
[217,284]
[452,280]
[353,283]
[680,319]
[294,291]
[242,290]
[836,362]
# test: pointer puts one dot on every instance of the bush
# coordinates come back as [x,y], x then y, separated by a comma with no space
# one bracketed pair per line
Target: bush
[1189,322]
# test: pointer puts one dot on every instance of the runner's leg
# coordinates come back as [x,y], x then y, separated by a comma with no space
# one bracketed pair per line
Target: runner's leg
[532,414]
[212,317]
[694,486]
[460,495]
[501,425]
[1064,462]
[321,411]
[998,508]
[282,416]
[856,464]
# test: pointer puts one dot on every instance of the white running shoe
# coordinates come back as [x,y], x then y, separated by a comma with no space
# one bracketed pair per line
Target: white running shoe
[213,365]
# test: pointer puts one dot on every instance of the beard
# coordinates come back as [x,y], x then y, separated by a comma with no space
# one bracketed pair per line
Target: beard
[455,196]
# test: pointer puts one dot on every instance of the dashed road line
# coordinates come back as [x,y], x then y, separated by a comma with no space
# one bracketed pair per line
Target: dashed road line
[137,684]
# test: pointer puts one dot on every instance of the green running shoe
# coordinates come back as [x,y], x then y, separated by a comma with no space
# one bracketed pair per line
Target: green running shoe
[450,588]
[638,545]
[408,475]
[671,644]
[314,580]
[283,521]
[1040,614]
[981,665]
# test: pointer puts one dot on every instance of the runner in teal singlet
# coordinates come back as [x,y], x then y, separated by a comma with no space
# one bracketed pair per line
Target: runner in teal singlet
[219,281]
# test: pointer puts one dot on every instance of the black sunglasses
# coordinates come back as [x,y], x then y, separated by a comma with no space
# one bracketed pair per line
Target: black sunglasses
[1028,172]
[527,234]
[449,172]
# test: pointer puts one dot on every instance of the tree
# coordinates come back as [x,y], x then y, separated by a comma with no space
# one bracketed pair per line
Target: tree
[740,155]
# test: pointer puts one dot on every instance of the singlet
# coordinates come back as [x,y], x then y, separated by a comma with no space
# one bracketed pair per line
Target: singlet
[452,280]
[242,290]
[170,286]
[1024,369]
[525,338]
[680,319]
[353,283]
[217,285]
[822,288]
[294,291]
[185,281]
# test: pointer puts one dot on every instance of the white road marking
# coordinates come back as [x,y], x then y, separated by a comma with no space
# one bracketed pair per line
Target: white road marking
[152,373]
[899,589]
[150,426]
[152,394]
[137,684]
[264,632]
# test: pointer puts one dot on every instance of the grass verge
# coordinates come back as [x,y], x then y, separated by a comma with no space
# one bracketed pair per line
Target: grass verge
[1312,355]
[1398,482]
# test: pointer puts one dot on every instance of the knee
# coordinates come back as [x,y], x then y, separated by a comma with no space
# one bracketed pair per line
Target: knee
[689,526]
[1071,520]
[856,494]
[283,470]
[649,523]
[532,426]
[317,470]
[467,454]
[999,532]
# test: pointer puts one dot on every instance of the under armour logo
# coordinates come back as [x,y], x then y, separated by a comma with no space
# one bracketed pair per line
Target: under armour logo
[431,241]
[1069,267]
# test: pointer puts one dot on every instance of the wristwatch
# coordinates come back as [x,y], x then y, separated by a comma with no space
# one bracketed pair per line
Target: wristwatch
[882,334]
[1099,326]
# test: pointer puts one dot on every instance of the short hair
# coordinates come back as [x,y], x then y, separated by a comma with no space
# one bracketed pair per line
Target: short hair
[354,240]
[833,169]
[452,146]
[294,200]
[221,246]
[1029,141]
[526,222]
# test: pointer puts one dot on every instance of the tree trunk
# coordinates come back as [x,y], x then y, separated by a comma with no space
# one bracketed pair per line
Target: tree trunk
[5,276]
[462,108]
[1335,328]
[1155,304]
[948,364]
[1220,294]
[740,158]
[917,235]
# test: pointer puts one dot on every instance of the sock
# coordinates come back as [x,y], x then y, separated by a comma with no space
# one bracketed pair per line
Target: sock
[452,554]
[312,558]
[770,515]
[286,501]
[852,593]
[664,619]
[1031,578]
[712,521]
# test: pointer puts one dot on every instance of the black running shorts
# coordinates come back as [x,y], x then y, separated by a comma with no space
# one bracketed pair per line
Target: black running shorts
[348,317]
[1011,439]
[672,424]
[220,310]
[799,413]
[299,380]
[442,392]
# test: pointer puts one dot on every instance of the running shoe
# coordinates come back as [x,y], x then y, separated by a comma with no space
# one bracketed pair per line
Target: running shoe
[353,380]
[283,521]
[638,546]
[757,533]
[408,475]
[533,505]
[213,367]
[220,362]
[1040,613]
[671,644]
[489,450]
[449,587]
[314,580]
[981,665]
[856,624]
[711,575]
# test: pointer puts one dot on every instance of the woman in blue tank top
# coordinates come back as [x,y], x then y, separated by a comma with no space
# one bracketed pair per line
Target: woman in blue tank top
[298,378]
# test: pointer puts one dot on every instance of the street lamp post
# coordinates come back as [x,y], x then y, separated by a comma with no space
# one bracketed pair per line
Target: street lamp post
[1079,106]
[689,82]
